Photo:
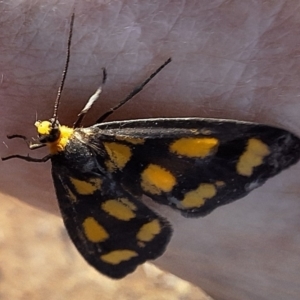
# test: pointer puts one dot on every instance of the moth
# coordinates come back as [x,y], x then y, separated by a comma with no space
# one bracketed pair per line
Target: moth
[192,165]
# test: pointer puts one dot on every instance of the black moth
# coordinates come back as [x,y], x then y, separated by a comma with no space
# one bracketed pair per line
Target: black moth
[193,165]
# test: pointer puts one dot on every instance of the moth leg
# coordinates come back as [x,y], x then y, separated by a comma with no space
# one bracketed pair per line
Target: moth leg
[30,146]
[27,158]
[27,141]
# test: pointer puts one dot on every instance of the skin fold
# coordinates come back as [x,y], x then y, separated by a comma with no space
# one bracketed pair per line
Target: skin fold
[231,59]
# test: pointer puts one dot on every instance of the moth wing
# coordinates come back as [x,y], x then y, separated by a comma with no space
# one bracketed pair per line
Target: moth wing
[195,165]
[113,231]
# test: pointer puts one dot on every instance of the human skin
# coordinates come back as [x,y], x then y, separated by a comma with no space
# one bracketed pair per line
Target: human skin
[231,59]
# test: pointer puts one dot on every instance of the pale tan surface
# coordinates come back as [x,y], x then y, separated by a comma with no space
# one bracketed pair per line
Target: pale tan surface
[231,59]
[38,261]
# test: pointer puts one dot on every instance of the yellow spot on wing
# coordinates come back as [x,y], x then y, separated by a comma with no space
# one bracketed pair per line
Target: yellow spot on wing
[194,147]
[197,198]
[117,256]
[86,187]
[156,179]
[148,231]
[94,231]
[253,156]
[119,154]
[118,209]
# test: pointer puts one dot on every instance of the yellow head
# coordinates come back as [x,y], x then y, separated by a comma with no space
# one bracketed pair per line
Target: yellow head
[53,135]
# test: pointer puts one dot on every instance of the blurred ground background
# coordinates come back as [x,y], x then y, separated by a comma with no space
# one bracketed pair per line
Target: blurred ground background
[38,261]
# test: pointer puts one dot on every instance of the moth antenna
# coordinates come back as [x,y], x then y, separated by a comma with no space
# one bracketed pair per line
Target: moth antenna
[64,74]
[91,101]
[135,91]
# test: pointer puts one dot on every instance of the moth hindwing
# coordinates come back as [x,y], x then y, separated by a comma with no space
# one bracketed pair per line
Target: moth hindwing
[192,165]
